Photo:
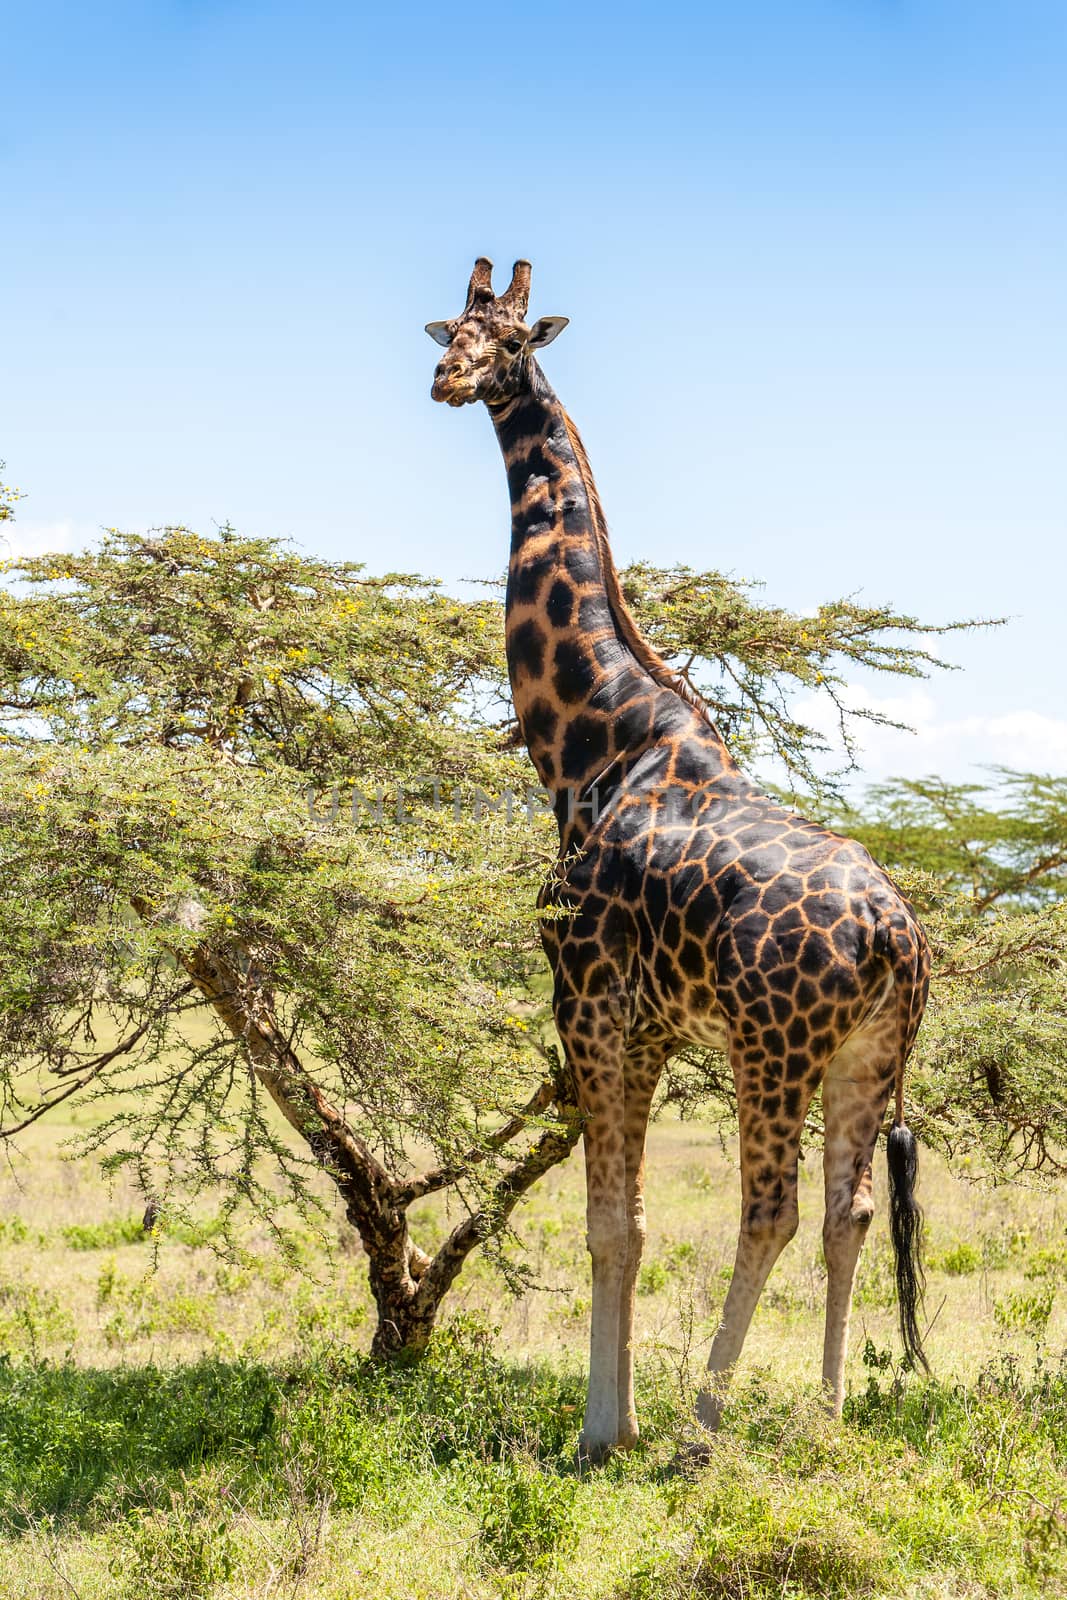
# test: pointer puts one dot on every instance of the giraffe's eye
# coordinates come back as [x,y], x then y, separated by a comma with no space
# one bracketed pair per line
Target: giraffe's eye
[512,345]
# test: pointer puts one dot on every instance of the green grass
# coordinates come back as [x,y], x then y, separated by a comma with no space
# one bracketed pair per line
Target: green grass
[212,1475]
[180,1425]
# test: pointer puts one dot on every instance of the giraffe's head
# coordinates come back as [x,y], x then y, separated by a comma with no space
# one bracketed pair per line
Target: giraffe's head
[489,345]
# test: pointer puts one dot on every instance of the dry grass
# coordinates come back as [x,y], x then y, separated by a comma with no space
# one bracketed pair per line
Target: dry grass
[129,1302]
[792,1506]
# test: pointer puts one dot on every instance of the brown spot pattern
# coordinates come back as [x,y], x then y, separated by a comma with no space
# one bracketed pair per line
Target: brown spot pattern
[700,909]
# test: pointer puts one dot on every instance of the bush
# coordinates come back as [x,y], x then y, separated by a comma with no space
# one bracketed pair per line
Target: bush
[526,1515]
[91,1442]
[959,1260]
[105,1235]
[928,1488]
[180,1553]
[1025,1313]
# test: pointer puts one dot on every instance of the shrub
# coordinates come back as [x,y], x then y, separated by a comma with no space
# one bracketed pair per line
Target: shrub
[652,1277]
[104,1235]
[527,1515]
[1025,1313]
[31,1317]
[77,1442]
[959,1260]
[180,1553]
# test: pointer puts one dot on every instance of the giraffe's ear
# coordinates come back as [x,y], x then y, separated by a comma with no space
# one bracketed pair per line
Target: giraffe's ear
[544,330]
[438,331]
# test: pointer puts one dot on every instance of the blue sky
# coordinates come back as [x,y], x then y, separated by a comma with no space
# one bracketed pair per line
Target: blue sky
[813,252]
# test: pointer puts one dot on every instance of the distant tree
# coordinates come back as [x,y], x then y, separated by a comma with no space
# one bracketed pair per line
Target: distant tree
[1002,843]
[8,498]
[246,983]
[988,868]
[752,661]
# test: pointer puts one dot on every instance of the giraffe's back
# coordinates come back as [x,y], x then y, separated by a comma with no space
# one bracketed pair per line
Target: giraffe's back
[738,922]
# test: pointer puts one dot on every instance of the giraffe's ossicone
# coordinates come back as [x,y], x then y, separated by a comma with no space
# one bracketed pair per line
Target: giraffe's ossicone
[699,909]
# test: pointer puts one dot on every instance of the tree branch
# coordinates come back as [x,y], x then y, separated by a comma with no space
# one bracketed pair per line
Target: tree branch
[554,1145]
[441,1177]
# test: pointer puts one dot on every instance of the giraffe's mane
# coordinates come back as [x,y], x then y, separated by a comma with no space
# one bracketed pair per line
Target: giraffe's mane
[631,636]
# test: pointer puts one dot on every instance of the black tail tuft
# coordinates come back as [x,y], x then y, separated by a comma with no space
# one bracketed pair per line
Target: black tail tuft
[906,1227]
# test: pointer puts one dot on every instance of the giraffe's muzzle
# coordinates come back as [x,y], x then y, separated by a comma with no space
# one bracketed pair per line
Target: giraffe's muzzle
[452,386]
[453,383]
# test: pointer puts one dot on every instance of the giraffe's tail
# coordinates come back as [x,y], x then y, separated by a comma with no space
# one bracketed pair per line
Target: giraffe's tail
[906,1229]
[902,1155]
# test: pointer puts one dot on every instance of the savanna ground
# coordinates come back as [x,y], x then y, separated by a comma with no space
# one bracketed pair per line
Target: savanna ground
[211,1427]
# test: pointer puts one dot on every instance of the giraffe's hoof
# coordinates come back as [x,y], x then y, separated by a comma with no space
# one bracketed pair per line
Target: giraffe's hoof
[692,1455]
[591,1453]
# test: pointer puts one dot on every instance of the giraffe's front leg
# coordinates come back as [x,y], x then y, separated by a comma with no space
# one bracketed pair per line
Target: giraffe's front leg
[644,1062]
[596,1056]
[607,1239]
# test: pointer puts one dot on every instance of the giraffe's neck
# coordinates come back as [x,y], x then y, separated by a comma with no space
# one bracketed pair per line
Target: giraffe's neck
[589,692]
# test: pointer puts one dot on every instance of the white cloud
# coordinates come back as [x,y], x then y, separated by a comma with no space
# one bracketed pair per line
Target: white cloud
[953,747]
[18,538]
[1036,741]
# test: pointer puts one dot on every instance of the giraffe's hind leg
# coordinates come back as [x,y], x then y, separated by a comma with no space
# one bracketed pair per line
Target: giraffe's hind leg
[855,1093]
[770,1125]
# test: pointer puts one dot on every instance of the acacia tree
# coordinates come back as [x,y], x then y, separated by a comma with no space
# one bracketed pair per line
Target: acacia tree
[194,947]
[987,866]
[187,921]
[1002,843]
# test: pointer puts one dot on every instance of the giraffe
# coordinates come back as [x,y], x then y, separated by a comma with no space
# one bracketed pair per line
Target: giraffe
[697,909]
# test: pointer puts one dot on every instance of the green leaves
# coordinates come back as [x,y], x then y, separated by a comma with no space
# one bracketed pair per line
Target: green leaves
[1002,843]
[223,752]
[749,661]
[987,868]
[239,646]
[167,704]
[8,499]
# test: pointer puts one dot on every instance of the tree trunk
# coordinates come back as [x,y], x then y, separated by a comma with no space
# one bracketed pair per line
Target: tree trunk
[408,1286]
[405,1321]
